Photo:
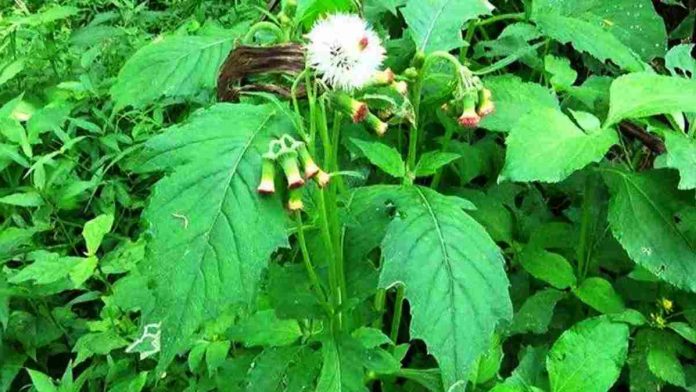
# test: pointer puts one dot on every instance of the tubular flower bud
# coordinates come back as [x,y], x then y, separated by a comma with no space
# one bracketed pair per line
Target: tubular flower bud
[295,200]
[288,161]
[267,184]
[469,118]
[486,105]
[376,124]
[383,78]
[401,87]
[310,167]
[355,109]
[322,178]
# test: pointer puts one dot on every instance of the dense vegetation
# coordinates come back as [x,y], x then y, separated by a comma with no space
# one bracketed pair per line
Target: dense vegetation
[190,200]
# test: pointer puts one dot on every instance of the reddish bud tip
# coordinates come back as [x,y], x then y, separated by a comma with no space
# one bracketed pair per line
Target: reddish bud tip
[359,111]
[469,119]
[267,184]
[362,44]
[311,169]
[266,187]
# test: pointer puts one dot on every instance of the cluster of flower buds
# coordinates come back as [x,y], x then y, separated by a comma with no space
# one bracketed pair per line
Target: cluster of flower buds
[359,112]
[471,101]
[289,154]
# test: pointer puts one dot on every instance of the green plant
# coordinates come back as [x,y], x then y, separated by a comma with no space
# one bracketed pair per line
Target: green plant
[201,195]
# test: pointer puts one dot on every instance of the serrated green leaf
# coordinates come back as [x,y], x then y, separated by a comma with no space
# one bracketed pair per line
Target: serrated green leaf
[100,343]
[547,146]
[513,99]
[641,217]
[447,262]
[283,369]
[662,357]
[432,161]
[95,230]
[684,330]
[588,357]
[211,233]
[178,66]
[342,370]
[633,23]
[535,314]
[215,354]
[599,294]
[436,24]
[643,94]
[386,158]
[547,266]
[563,76]
[679,61]
[41,381]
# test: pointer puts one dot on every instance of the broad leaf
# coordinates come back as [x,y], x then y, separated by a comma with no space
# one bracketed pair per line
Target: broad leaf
[600,295]
[178,66]
[634,23]
[265,329]
[642,217]
[342,370]
[645,94]
[535,314]
[547,266]
[588,357]
[94,232]
[547,146]
[432,161]
[283,369]
[453,275]
[513,99]
[211,233]
[437,24]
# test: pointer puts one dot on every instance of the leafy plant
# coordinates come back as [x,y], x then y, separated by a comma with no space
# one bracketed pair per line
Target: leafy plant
[377,195]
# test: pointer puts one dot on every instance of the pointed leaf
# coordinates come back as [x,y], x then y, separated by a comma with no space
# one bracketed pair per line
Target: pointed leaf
[600,295]
[211,233]
[382,156]
[642,217]
[681,155]
[453,274]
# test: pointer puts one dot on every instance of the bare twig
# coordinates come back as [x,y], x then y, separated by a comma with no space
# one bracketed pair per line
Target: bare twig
[652,142]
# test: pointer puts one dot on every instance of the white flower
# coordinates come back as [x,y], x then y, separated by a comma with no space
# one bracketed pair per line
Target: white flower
[345,51]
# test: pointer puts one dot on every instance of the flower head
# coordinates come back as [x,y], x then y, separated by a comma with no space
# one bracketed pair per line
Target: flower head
[345,51]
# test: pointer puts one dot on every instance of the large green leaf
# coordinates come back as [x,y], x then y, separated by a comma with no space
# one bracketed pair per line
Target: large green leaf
[546,145]
[211,233]
[633,23]
[437,24]
[178,66]
[646,94]
[342,370]
[453,276]
[642,217]
[588,357]
[513,99]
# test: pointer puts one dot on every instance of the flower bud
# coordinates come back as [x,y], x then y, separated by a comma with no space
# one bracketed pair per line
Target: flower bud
[295,200]
[401,87]
[310,167]
[469,118]
[383,78]
[322,178]
[267,184]
[288,161]
[419,59]
[411,73]
[355,109]
[486,105]
[376,124]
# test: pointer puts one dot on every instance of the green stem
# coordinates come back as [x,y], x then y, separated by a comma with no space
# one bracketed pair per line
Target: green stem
[469,36]
[380,299]
[449,131]
[311,272]
[398,309]
[584,251]
[501,17]
[261,26]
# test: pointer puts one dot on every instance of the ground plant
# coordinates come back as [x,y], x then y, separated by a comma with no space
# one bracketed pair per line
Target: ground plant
[346,195]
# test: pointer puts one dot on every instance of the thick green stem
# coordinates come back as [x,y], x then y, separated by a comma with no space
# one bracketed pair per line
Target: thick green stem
[449,132]
[311,272]
[501,17]
[398,309]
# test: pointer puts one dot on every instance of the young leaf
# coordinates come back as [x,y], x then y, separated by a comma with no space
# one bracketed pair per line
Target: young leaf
[265,329]
[211,233]
[641,216]
[535,314]
[282,369]
[432,161]
[25,199]
[95,230]
[453,274]
[342,370]
[41,381]
[600,295]
[547,146]
[382,156]
[681,155]
[437,24]
[178,66]
[513,99]
[549,267]
[645,94]
[588,357]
